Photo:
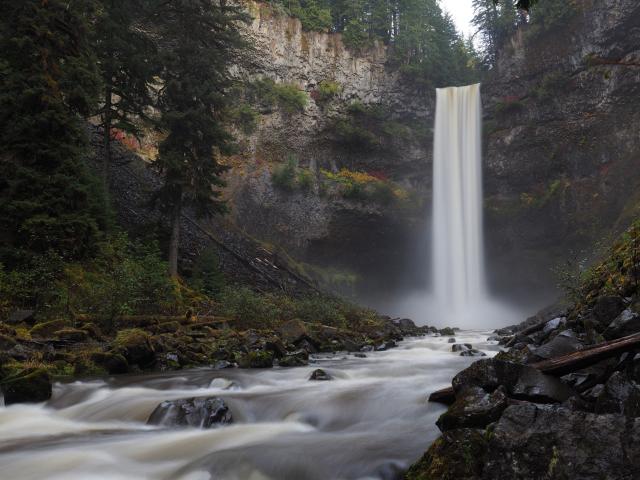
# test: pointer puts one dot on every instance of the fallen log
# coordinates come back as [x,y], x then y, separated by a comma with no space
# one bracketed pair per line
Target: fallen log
[565,364]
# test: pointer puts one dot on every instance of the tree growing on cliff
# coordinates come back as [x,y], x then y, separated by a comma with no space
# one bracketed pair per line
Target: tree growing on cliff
[495,22]
[48,80]
[202,39]
[127,61]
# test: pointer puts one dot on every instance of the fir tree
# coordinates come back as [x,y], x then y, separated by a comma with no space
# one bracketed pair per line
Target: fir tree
[128,64]
[47,81]
[202,40]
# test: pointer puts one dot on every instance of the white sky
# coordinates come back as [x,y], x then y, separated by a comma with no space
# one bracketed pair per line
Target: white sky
[461,12]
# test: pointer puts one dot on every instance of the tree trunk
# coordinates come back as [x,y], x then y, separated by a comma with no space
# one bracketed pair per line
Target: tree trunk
[174,242]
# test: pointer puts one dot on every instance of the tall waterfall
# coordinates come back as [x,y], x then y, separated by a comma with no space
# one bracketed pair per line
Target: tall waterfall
[458,257]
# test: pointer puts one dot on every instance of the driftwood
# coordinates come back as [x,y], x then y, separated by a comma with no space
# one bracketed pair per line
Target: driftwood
[565,364]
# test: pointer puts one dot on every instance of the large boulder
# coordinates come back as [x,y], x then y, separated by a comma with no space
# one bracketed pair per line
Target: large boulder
[564,343]
[256,359]
[619,395]
[299,358]
[552,442]
[461,347]
[27,386]
[199,412]
[320,375]
[135,345]
[606,309]
[113,363]
[520,381]
[292,331]
[474,408]
[627,323]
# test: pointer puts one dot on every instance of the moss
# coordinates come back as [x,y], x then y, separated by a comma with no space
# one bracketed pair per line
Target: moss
[553,463]
[131,337]
[256,359]
[47,329]
[27,386]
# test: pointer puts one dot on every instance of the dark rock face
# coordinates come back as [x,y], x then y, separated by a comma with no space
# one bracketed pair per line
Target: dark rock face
[472,353]
[606,309]
[532,441]
[461,347]
[474,408]
[564,343]
[200,412]
[619,395]
[29,386]
[627,323]
[320,375]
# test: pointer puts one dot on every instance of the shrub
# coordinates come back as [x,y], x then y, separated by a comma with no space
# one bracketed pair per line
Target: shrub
[246,118]
[327,90]
[290,98]
[268,93]
[508,106]
[248,308]
[305,179]
[383,193]
[284,175]
[318,309]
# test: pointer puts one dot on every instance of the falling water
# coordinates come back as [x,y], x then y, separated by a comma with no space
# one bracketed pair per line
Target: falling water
[458,266]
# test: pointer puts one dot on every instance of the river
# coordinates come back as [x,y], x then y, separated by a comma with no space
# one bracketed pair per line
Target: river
[371,422]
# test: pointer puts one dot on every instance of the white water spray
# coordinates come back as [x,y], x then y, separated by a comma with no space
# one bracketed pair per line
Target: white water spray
[458,256]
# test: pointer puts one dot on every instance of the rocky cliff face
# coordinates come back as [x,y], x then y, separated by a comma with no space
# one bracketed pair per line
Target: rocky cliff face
[562,168]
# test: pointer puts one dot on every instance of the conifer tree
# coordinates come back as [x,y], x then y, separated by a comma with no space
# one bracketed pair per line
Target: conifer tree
[47,81]
[202,39]
[128,64]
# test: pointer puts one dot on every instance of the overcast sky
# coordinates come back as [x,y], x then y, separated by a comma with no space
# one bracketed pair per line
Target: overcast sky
[461,12]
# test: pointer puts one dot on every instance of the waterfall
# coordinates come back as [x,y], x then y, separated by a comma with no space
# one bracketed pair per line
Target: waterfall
[458,258]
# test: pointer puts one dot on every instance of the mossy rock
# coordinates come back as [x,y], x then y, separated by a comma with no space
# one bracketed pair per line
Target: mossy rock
[27,386]
[7,330]
[447,332]
[112,362]
[86,368]
[48,329]
[135,345]
[168,327]
[92,330]
[256,359]
[457,454]
[72,335]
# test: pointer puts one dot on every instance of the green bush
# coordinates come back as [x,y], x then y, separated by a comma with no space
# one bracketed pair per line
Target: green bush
[305,179]
[312,16]
[327,90]
[246,118]
[248,308]
[284,175]
[382,192]
[318,309]
[267,93]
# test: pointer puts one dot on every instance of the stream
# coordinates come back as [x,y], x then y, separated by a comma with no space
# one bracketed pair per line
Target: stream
[371,422]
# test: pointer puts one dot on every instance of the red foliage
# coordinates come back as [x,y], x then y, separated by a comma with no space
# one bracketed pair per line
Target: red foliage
[380,175]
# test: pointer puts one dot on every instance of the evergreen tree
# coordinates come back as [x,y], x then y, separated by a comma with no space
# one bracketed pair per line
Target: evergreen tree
[495,22]
[202,38]
[47,81]
[127,63]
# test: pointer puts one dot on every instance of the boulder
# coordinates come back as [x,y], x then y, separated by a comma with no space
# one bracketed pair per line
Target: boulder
[292,331]
[113,363]
[520,381]
[472,353]
[299,358]
[627,323]
[606,309]
[27,386]
[307,344]
[256,359]
[564,343]
[553,324]
[451,340]
[447,332]
[474,408]
[619,395]
[406,326]
[320,375]
[360,355]
[72,335]
[135,345]
[199,412]
[461,347]
[276,346]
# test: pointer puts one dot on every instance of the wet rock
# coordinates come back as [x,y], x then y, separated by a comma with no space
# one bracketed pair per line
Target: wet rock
[320,375]
[543,441]
[451,340]
[168,327]
[521,381]
[461,347]
[21,316]
[19,352]
[276,346]
[627,323]
[360,355]
[406,326]
[367,348]
[475,408]
[27,386]
[606,309]
[6,342]
[493,338]
[553,324]
[222,364]
[295,359]
[200,412]
[308,345]
[113,363]
[386,346]
[518,338]
[472,353]
[256,359]
[562,344]
[447,332]
[619,395]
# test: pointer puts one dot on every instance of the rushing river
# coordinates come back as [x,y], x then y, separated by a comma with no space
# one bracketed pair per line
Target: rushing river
[371,422]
